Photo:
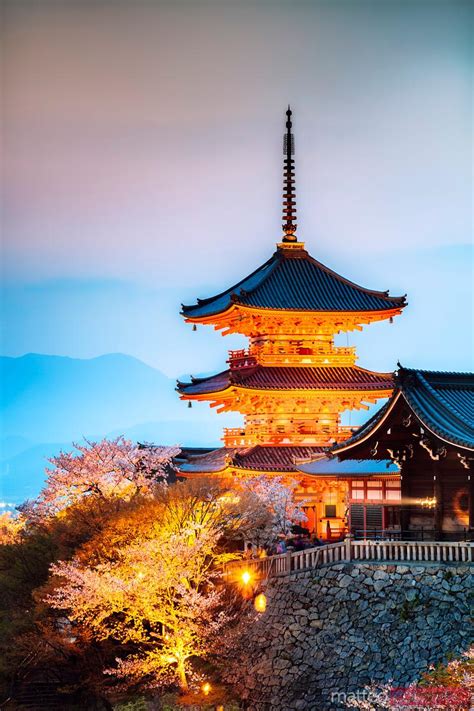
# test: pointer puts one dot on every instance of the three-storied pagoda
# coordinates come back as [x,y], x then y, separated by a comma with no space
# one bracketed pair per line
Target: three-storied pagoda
[291,383]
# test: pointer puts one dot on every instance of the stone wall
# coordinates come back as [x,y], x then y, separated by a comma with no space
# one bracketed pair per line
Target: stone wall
[342,626]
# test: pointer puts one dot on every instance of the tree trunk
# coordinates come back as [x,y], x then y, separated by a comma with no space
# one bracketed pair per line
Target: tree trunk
[183,682]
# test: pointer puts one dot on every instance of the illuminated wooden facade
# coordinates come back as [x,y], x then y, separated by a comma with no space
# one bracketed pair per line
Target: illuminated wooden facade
[291,383]
[427,430]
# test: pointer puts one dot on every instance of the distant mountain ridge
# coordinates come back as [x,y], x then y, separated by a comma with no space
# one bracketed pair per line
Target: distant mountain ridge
[49,398]
[48,402]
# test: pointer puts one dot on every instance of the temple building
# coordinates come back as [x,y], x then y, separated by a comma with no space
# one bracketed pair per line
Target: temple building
[426,430]
[291,383]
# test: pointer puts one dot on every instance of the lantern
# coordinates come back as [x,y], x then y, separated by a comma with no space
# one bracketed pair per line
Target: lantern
[206,687]
[260,603]
[246,577]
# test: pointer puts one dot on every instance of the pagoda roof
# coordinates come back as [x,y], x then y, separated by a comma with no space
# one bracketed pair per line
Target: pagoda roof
[327,466]
[443,402]
[259,458]
[262,377]
[293,280]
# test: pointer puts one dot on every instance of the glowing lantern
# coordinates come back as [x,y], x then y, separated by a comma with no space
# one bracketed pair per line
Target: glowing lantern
[260,603]
[246,577]
[206,687]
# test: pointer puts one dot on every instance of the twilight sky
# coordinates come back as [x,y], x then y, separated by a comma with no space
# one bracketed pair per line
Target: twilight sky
[142,168]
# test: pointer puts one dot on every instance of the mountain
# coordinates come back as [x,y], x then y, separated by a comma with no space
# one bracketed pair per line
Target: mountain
[53,398]
[48,402]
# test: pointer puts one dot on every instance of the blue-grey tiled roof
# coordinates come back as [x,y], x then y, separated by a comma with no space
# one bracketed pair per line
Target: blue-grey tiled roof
[350,467]
[291,279]
[443,402]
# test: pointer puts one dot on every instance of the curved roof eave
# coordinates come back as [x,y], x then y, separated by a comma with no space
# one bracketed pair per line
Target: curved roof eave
[323,289]
[428,408]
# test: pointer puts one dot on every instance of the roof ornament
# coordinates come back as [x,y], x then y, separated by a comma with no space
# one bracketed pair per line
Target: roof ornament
[289,204]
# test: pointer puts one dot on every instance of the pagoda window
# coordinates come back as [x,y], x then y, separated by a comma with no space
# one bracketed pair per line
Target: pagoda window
[374,491]
[357,490]
[393,491]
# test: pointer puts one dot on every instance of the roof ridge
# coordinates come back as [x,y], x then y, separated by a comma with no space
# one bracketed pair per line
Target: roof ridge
[465,373]
[372,372]
[381,294]
[447,405]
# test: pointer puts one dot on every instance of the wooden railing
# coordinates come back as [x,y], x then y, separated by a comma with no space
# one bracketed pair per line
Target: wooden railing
[347,550]
[427,551]
[281,353]
[251,435]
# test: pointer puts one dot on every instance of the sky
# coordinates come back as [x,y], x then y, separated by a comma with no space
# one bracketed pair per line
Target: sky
[142,168]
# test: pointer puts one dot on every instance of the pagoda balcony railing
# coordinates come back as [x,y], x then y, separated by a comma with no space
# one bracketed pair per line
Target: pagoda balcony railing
[249,437]
[272,354]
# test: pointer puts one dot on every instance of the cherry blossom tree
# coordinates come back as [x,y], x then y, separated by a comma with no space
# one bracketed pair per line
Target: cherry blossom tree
[109,469]
[11,525]
[274,510]
[446,687]
[150,582]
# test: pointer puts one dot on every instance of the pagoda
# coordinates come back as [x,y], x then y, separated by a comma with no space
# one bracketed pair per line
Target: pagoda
[291,383]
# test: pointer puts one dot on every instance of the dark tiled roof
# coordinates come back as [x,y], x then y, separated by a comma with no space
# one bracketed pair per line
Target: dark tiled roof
[443,402]
[291,378]
[350,467]
[271,458]
[259,458]
[291,279]
[210,462]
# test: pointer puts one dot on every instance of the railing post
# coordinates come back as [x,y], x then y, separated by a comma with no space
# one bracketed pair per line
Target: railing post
[288,562]
[347,546]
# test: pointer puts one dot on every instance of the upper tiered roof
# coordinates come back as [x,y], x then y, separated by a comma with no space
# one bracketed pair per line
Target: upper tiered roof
[290,378]
[292,280]
[442,402]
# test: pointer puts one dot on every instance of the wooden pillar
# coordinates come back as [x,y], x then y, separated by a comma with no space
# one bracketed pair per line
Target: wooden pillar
[438,494]
[470,488]
[405,494]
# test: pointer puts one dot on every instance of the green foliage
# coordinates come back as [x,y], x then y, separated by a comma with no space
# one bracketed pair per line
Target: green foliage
[139,704]
[456,673]
[407,608]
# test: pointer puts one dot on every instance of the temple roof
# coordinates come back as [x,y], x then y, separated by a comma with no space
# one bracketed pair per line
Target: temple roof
[292,280]
[350,467]
[270,458]
[258,458]
[442,402]
[290,378]
[209,461]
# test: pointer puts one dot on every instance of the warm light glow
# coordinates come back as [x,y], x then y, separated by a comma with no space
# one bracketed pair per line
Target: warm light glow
[427,503]
[260,603]
[246,577]
[206,687]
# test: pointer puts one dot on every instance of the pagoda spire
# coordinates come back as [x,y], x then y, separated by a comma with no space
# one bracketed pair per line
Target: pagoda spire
[289,204]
